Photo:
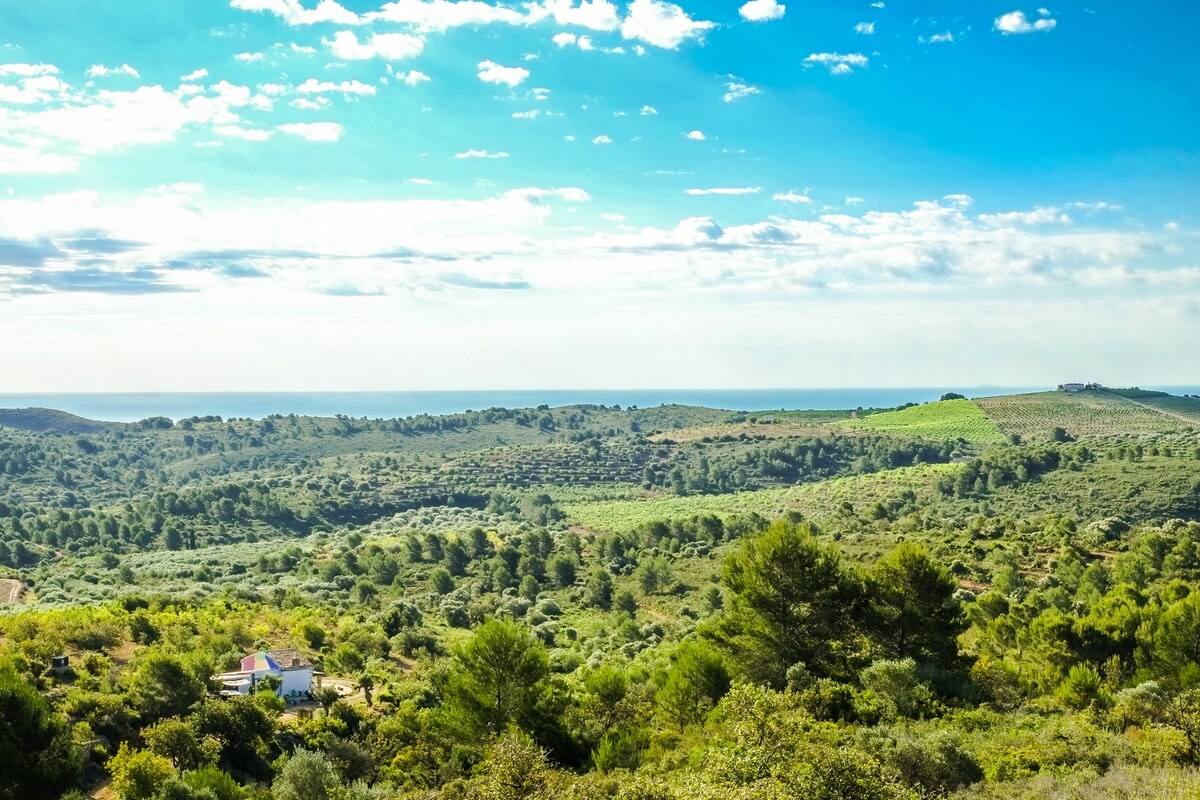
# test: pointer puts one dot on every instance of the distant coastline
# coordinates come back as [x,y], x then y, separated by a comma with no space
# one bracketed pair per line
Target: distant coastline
[129,407]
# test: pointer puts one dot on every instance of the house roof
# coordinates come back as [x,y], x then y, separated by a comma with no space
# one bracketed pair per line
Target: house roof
[259,661]
[289,658]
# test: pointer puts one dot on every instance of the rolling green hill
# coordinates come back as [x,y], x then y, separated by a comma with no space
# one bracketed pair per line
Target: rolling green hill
[945,419]
[42,420]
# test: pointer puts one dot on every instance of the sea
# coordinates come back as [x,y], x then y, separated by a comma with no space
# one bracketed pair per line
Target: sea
[130,407]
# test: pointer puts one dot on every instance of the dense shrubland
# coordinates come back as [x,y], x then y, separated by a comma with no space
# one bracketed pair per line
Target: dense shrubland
[966,632]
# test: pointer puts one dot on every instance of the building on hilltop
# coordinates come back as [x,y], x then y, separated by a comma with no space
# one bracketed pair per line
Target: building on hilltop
[294,672]
[1072,387]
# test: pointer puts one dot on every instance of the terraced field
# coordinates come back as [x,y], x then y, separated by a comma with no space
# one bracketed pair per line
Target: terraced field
[946,419]
[815,500]
[1034,417]
[1187,408]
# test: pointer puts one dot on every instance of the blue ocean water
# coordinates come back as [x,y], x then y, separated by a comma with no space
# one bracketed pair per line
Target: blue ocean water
[120,407]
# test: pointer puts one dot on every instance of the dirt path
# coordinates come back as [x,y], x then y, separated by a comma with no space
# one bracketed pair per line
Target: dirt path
[11,591]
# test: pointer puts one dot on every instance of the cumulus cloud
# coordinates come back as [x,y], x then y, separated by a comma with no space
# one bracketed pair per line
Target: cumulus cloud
[314,86]
[293,13]
[937,38]
[314,131]
[441,15]
[481,154]
[198,75]
[249,57]
[662,24]
[389,46]
[412,77]
[762,10]
[649,111]
[695,136]
[491,72]
[865,28]
[1015,22]
[598,15]
[736,90]
[791,196]
[737,190]
[101,71]
[837,63]
[532,114]
[28,70]
[602,139]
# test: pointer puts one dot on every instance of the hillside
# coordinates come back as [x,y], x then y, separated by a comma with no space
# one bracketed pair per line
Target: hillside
[975,594]
[42,420]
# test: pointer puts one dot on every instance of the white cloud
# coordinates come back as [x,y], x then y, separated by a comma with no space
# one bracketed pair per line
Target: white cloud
[421,181]
[662,24]
[1016,22]
[389,46]
[313,86]
[736,90]
[101,71]
[564,39]
[238,132]
[838,63]
[293,13]
[481,154]
[792,197]
[28,70]
[695,136]
[526,114]
[762,10]
[602,139]
[598,15]
[412,77]
[199,74]
[725,190]
[865,28]
[316,104]
[491,72]
[937,38]
[649,111]
[302,50]
[249,57]
[314,131]
[34,161]
[441,15]
[854,201]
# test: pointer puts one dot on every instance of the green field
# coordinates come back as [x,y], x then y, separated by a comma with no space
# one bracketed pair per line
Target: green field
[1185,407]
[812,500]
[946,419]
[1034,417]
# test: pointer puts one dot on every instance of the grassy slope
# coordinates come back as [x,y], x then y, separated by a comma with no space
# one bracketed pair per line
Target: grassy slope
[1185,407]
[1087,414]
[946,419]
[810,499]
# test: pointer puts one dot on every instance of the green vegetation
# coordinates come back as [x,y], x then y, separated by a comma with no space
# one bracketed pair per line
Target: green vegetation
[594,602]
[1033,417]
[944,419]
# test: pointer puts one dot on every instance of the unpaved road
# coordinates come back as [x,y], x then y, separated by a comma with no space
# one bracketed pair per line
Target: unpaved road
[11,591]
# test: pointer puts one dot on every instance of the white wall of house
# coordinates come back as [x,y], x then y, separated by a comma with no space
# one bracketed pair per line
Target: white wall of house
[296,680]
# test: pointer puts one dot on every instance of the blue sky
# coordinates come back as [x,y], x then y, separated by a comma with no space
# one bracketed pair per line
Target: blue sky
[281,194]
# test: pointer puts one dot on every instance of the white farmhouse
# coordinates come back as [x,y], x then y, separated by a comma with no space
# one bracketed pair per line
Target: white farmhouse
[293,670]
[1073,387]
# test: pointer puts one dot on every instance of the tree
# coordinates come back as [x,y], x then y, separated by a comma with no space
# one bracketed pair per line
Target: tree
[306,776]
[791,601]
[162,686]
[366,683]
[326,696]
[138,774]
[37,758]
[654,575]
[515,769]
[913,612]
[695,683]
[498,678]
[175,740]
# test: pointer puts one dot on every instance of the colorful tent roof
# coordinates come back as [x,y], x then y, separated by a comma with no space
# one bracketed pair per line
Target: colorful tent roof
[259,661]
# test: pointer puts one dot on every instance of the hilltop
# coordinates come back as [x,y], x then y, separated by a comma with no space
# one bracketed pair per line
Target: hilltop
[42,420]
